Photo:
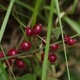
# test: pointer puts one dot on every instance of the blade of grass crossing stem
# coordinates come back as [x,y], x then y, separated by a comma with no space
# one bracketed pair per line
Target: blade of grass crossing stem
[8,62]
[3,27]
[60,23]
[35,11]
[44,68]
[6,19]
[33,51]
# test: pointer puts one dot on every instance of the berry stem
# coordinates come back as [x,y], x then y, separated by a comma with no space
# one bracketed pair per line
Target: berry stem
[41,38]
[60,23]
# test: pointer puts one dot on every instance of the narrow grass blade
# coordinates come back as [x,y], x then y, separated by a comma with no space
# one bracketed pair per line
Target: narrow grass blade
[36,11]
[3,27]
[44,68]
[73,24]
[60,23]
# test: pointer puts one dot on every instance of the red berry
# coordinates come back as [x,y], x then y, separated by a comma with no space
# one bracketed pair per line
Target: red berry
[1,54]
[12,52]
[52,57]
[54,47]
[71,41]
[29,31]
[20,64]
[37,29]
[9,61]
[66,38]
[25,46]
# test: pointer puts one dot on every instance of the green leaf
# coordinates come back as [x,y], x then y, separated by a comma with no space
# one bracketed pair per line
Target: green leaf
[4,66]
[37,70]
[3,72]
[73,24]
[57,32]
[28,77]
[2,77]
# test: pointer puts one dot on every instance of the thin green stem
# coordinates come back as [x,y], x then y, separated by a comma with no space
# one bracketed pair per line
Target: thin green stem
[3,27]
[60,23]
[33,51]
[44,68]
[8,62]
[36,11]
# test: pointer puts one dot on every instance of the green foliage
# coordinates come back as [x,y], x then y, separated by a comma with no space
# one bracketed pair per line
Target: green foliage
[38,68]
[28,76]
[74,75]
[73,24]
[57,32]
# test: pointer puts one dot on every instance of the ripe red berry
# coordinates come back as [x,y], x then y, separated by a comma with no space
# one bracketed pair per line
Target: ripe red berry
[52,57]
[29,31]
[9,61]
[25,46]
[54,47]
[71,41]
[66,38]
[37,29]
[20,64]
[12,52]
[1,54]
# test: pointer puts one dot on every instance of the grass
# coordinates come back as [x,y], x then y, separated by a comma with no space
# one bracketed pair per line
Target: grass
[50,11]
[64,46]
[44,68]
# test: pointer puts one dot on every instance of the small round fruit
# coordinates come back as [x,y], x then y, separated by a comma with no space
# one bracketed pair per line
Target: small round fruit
[1,54]
[9,61]
[20,64]
[66,38]
[37,29]
[12,52]
[25,46]
[52,57]
[71,41]
[54,47]
[29,31]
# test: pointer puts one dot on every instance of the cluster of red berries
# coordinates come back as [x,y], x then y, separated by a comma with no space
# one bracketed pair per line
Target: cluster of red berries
[35,31]
[13,52]
[51,56]
[70,41]
[25,46]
